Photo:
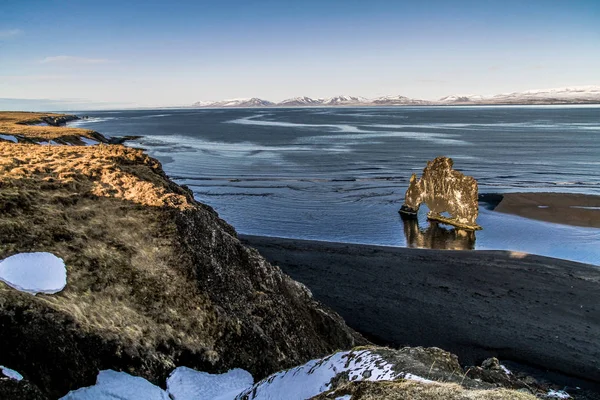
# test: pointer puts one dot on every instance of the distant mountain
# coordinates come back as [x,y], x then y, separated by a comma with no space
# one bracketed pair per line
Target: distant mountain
[345,101]
[463,98]
[203,103]
[300,101]
[241,103]
[397,101]
[569,95]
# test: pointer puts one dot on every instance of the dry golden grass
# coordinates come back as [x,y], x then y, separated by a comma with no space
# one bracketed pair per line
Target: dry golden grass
[409,390]
[106,211]
[105,171]
[22,124]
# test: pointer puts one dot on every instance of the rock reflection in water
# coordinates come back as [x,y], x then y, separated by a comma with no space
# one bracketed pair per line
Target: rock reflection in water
[435,236]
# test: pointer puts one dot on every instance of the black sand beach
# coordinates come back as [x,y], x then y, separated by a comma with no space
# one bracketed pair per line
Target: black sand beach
[537,311]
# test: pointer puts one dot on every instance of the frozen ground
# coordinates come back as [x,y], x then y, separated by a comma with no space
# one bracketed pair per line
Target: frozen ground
[299,383]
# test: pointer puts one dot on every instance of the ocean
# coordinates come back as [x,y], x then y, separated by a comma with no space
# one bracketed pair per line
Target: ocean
[339,174]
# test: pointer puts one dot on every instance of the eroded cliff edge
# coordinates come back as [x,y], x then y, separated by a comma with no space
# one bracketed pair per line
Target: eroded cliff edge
[155,279]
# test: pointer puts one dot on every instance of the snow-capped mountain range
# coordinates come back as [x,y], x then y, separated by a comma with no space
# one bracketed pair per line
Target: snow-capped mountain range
[569,95]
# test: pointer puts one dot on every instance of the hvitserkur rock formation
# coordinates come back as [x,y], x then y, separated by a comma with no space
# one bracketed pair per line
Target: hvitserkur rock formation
[443,189]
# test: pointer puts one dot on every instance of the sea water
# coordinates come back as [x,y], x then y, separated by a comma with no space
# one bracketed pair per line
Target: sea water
[339,174]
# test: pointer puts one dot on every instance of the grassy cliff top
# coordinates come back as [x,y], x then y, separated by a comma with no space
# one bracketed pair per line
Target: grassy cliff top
[24,125]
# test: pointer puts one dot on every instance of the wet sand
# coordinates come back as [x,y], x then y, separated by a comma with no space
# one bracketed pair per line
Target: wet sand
[560,208]
[533,310]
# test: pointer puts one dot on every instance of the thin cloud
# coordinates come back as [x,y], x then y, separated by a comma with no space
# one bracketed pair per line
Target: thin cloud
[8,33]
[73,60]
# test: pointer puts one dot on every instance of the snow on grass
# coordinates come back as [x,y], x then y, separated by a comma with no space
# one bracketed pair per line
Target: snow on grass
[558,394]
[11,373]
[34,273]
[315,376]
[113,385]
[187,384]
[10,138]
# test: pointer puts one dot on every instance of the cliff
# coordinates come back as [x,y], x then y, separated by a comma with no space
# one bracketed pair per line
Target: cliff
[155,279]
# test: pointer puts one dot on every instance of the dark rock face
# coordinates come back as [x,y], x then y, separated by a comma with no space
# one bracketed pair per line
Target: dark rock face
[277,322]
[443,189]
[121,139]
[59,120]
[11,389]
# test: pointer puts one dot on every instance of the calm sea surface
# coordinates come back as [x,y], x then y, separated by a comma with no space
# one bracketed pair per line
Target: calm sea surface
[340,174]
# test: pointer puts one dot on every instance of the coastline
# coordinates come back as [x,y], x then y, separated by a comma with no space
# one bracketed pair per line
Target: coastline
[135,185]
[529,309]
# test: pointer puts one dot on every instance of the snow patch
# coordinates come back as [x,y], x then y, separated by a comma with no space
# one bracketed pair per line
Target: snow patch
[506,370]
[34,273]
[11,373]
[188,384]
[315,376]
[302,382]
[113,385]
[558,394]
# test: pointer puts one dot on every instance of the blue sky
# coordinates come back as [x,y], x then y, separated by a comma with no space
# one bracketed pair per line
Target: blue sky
[174,53]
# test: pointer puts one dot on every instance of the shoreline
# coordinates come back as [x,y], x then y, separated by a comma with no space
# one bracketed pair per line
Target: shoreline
[532,310]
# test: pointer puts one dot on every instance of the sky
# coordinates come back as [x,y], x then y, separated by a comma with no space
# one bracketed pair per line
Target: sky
[108,54]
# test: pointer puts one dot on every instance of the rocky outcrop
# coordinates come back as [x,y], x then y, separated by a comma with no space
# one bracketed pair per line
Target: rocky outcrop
[384,373]
[443,189]
[154,279]
[403,390]
[59,120]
